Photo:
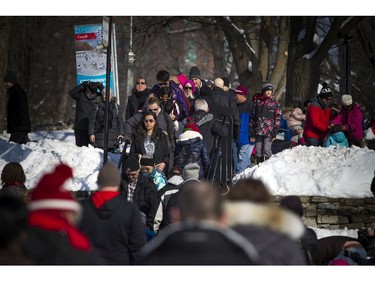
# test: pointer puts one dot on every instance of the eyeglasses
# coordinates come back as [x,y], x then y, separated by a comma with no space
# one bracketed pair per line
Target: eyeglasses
[161,84]
[148,120]
[140,83]
[188,88]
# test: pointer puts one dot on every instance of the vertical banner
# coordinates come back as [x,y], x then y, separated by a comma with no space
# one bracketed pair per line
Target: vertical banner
[91,56]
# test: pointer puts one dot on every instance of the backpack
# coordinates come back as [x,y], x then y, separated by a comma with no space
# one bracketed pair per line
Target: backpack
[184,157]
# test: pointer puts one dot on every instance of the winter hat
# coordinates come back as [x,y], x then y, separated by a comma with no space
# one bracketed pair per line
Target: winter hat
[266,87]
[191,171]
[181,78]
[194,73]
[325,92]
[147,161]
[50,193]
[226,81]
[218,82]
[109,175]
[205,91]
[10,77]
[191,125]
[346,100]
[241,90]
[131,164]
[293,204]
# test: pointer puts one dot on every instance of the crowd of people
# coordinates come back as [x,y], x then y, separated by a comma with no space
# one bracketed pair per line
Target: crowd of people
[159,208]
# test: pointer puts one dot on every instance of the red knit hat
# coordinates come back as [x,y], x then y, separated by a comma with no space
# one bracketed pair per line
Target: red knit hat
[191,125]
[50,193]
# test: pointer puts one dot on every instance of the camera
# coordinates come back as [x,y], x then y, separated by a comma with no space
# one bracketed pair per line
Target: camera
[94,87]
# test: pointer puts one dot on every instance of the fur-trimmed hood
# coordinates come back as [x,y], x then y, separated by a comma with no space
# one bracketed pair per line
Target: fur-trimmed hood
[187,135]
[271,216]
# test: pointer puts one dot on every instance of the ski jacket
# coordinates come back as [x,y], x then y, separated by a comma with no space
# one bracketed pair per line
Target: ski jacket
[317,120]
[351,119]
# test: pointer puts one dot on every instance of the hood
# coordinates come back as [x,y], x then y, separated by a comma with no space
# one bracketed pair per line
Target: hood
[103,207]
[270,216]
[175,180]
[189,135]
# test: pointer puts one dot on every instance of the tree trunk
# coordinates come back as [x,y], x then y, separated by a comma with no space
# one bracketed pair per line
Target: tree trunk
[5,27]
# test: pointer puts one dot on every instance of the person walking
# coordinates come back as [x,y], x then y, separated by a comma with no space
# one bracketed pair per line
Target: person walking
[18,117]
[113,224]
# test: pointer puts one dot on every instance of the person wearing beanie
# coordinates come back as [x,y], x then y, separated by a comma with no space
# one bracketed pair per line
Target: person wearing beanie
[350,119]
[53,236]
[352,253]
[195,76]
[190,147]
[246,142]
[318,115]
[219,83]
[139,187]
[113,224]
[265,122]
[18,117]
[191,171]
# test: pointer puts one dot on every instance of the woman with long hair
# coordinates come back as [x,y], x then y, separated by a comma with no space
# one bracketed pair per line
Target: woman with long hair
[150,140]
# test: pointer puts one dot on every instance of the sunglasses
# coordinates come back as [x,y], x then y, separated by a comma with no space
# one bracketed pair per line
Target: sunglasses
[148,120]
[161,84]
[140,83]
[188,88]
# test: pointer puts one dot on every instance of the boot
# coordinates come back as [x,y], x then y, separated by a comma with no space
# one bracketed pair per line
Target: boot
[260,159]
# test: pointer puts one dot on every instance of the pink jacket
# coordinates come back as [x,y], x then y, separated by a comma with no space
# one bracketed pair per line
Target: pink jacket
[351,119]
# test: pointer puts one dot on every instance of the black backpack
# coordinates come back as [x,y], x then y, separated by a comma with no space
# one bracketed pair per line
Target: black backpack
[184,157]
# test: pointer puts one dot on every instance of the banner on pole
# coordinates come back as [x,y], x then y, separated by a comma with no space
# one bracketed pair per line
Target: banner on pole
[91,56]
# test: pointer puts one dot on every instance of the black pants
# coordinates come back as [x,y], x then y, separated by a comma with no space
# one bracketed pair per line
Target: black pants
[82,138]
[19,137]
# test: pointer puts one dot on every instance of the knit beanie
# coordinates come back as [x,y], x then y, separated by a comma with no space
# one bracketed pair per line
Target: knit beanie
[10,77]
[50,193]
[131,164]
[191,125]
[325,92]
[293,204]
[109,175]
[266,87]
[181,78]
[194,73]
[147,162]
[191,171]
[218,82]
[346,100]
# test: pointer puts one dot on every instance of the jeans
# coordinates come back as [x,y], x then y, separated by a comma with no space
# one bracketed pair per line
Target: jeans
[243,154]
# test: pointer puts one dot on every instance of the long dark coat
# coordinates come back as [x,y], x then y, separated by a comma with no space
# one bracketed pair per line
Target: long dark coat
[18,117]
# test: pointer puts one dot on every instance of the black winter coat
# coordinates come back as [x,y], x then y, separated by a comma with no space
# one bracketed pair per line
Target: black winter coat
[194,141]
[97,123]
[115,229]
[145,196]
[84,105]
[161,153]
[209,127]
[136,102]
[18,117]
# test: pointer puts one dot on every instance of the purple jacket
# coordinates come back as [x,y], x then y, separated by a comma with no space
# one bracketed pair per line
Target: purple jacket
[351,119]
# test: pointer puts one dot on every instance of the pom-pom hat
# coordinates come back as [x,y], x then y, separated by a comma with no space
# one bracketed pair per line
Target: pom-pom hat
[51,194]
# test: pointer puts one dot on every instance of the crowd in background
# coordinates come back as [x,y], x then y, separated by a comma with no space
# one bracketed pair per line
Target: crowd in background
[159,208]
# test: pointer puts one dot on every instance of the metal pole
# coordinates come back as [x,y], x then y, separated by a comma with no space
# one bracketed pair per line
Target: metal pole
[347,65]
[107,91]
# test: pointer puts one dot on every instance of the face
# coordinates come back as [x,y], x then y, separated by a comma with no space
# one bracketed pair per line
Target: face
[149,122]
[165,98]
[163,84]
[147,169]
[325,101]
[155,108]
[197,82]
[188,89]
[132,175]
[140,85]
[240,98]
[268,93]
